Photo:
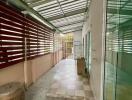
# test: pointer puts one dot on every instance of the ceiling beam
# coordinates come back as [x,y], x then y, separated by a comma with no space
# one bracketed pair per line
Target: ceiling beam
[39,2]
[60,8]
[32,1]
[67,14]
[22,5]
[78,27]
[43,9]
[69,28]
[71,31]
[80,21]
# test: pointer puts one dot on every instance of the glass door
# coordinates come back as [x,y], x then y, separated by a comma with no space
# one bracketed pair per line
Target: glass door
[124,67]
[88,51]
[118,58]
[111,51]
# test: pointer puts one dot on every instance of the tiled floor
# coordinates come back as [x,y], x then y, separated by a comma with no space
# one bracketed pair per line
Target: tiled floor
[61,83]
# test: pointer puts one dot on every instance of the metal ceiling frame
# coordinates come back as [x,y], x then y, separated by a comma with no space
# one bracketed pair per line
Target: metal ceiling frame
[74,28]
[53,10]
[39,2]
[72,31]
[33,1]
[71,28]
[67,14]
[60,8]
[57,6]
[22,5]
[80,21]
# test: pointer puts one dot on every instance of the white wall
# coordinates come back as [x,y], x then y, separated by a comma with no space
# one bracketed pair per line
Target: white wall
[77,36]
[95,24]
[77,44]
[13,73]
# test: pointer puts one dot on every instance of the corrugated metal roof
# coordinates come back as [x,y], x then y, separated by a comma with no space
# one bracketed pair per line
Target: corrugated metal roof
[66,15]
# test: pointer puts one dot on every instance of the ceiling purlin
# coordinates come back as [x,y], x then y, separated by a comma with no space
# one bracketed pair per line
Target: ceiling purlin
[55,6]
[39,2]
[76,22]
[79,11]
[65,13]
[69,31]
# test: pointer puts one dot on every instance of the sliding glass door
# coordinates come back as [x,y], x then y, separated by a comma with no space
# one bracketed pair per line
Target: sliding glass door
[124,68]
[118,58]
[111,50]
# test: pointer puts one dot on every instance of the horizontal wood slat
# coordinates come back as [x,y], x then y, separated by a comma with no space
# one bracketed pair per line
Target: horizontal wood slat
[19,33]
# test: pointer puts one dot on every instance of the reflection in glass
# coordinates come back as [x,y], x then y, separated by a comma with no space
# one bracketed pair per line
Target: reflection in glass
[118,60]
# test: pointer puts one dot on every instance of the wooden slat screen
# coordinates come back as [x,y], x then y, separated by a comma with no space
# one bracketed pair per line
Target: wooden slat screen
[19,33]
[39,39]
[11,36]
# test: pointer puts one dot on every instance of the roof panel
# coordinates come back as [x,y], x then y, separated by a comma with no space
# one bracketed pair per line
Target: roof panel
[67,15]
[65,1]
[51,10]
[75,3]
[71,26]
[72,9]
[48,7]
[45,4]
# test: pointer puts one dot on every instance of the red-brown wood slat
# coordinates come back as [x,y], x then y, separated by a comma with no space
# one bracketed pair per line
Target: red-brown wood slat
[12,33]
[10,48]
[11,53]
[8,9]
[10,22]
[12,43]
[11,58]
[39,25]
[11,28]
[11,38]
[10,17]
[14,29]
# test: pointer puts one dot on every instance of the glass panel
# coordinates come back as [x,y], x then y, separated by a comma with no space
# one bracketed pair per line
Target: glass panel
[88,51]
[124,69]
[42,5]
[118,63]
[111,49]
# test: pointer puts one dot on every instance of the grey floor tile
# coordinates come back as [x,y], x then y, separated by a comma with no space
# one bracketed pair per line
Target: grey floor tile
[60,83]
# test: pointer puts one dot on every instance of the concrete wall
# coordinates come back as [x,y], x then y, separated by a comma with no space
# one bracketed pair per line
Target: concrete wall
[58,55]
[29,71]
[41,65]
[96,25]
[13,73]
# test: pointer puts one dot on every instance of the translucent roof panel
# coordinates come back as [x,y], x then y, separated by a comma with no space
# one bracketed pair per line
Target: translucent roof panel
[71,26]
[67,20]
[63,14]
[40,4]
